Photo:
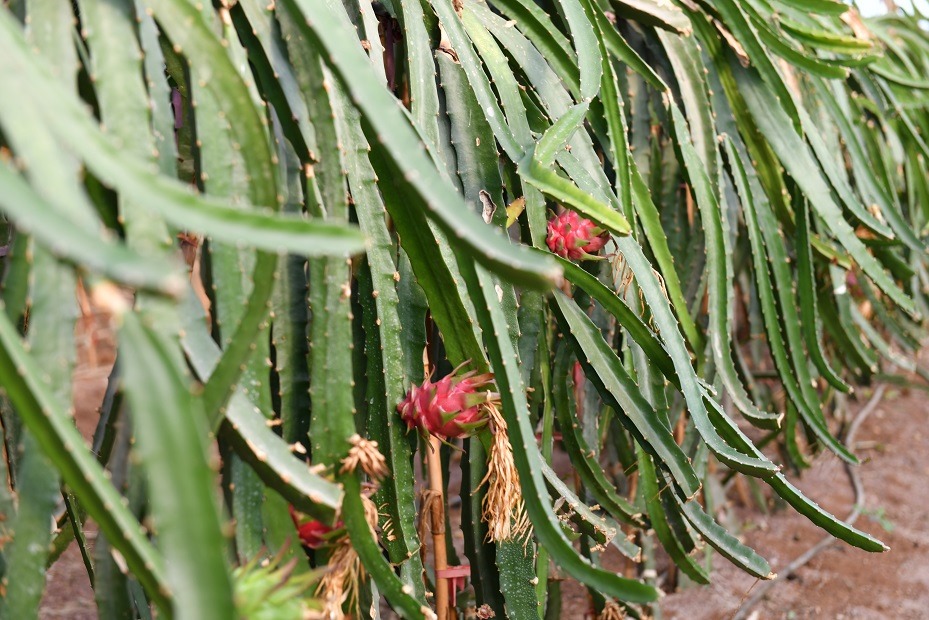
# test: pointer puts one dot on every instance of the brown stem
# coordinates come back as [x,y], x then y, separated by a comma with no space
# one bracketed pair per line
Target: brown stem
[434,458]
[680,429]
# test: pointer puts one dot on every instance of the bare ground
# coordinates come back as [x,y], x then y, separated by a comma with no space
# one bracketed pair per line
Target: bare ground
[68,594]
[842,582]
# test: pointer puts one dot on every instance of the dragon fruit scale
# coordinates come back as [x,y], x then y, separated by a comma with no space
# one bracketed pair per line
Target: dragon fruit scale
[573,237]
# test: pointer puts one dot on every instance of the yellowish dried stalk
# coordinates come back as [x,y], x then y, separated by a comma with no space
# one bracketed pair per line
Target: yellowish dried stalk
[387,525]
[503,508]
[612,611]
[428,500]
[340,586]
[364,454]
[622,274]
[371,514]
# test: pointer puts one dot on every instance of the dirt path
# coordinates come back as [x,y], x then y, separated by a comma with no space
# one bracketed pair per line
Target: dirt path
[843,582]
[68,595]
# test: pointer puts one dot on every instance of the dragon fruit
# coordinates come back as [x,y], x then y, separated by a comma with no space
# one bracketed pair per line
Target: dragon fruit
[573,237]
[454,406]
[313,534]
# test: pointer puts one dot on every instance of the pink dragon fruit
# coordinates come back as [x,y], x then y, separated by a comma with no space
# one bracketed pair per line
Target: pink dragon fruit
[451,407]
[573,237]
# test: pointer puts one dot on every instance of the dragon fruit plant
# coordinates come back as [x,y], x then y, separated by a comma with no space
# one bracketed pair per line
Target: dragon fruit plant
[273,212]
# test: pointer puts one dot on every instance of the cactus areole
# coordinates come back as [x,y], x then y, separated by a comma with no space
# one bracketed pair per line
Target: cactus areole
[573,237]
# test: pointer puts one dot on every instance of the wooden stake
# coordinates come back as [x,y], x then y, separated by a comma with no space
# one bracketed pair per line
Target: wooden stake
[440,553]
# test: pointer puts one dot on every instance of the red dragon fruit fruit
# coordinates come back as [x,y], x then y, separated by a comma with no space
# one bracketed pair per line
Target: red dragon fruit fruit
[573,237]
[451,407]
[313,534]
